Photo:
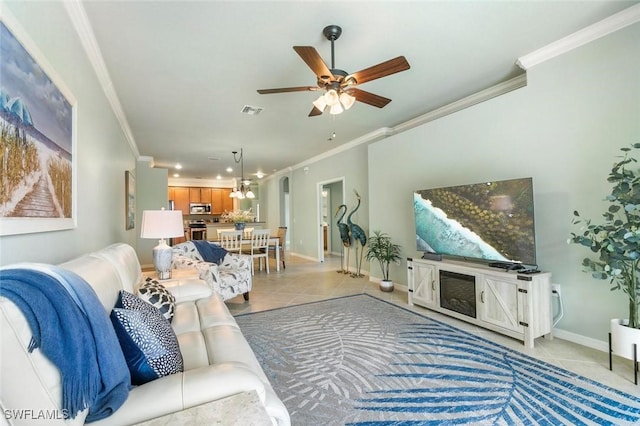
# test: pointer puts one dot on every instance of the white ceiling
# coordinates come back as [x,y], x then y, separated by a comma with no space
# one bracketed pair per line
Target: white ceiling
[183,70]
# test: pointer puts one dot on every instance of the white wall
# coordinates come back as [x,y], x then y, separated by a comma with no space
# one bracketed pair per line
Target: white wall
[103,153]
[352,165]
[564,129]
[152,194]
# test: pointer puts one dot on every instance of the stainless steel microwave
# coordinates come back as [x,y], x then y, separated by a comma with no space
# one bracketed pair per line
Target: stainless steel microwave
[200,208]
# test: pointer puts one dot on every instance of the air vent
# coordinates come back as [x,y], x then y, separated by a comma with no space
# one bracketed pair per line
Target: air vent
[251,110]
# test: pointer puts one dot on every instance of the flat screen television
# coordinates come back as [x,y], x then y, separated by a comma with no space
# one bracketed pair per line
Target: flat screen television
[488,221]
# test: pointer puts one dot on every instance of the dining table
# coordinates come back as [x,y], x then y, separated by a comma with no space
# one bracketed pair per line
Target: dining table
[246,242]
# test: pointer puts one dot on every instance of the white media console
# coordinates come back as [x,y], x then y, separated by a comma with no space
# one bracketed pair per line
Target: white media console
[511,303]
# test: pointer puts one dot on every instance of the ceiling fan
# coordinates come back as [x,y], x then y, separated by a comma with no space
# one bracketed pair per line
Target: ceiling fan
[340,91]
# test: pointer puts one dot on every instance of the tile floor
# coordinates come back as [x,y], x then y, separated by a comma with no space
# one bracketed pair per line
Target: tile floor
[305,281]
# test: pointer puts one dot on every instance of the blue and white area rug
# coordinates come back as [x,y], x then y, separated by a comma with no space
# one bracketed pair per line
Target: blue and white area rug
[361,361]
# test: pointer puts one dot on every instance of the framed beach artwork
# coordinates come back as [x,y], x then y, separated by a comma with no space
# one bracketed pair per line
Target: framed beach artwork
[129,200]
[37,139]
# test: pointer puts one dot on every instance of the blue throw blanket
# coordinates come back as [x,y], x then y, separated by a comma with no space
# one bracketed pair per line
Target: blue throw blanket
[71,328]
[210,252]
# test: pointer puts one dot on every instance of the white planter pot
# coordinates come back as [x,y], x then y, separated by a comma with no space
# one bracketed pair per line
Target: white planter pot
[623,338]
[386,285]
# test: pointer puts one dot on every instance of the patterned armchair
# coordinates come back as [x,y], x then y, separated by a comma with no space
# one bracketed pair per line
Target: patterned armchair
[229,279]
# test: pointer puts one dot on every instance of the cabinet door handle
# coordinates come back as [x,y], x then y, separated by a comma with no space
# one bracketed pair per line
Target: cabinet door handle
[482,296]
[433,285]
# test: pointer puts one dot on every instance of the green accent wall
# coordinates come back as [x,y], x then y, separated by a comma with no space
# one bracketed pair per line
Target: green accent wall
[564,129]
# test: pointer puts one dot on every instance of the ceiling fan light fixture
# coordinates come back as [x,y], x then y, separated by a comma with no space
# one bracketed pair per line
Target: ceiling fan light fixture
[331,98]
[336,109]
[335,81]
[347,100]
[320,103]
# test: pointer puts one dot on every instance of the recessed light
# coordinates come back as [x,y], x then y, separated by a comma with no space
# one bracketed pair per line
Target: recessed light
[218,177]
[176,175]
[178,166]
[229,169]
[259,175]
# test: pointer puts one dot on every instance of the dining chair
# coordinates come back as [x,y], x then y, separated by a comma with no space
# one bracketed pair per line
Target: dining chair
[221,230]
[259,248]
[247,233]
[231,241]
[282,234]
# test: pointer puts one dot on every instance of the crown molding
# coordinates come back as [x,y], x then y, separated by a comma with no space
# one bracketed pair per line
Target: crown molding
[478,97]
[384,132]
[593,32]
[80,22]
[376,135]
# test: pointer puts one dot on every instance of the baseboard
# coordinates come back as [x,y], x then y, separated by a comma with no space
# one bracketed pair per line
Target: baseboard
[302,256]
[581,340]
[147,267]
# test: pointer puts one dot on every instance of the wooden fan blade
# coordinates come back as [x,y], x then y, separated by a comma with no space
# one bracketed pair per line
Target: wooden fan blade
[312,58]
[369,98]
[288,89]
[314,112]
[383,69]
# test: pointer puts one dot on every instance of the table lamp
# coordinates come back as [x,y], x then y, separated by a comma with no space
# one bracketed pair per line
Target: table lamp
[162,224]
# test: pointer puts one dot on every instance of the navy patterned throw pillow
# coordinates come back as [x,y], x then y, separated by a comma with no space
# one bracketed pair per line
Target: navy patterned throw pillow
[151,291]
[147,340]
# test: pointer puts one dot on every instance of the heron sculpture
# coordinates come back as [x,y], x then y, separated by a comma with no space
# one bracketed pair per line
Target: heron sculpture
[344,236]
[358,235]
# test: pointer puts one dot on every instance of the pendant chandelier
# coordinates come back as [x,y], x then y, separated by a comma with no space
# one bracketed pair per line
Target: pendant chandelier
[244,190]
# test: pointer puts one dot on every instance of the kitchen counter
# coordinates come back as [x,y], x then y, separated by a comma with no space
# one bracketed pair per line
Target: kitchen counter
[210,230]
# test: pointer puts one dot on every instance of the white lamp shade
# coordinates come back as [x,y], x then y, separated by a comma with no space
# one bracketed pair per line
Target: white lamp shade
[250,194]
[162,224]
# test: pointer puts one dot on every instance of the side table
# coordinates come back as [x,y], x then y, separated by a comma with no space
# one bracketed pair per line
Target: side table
[176,274]
[240,409]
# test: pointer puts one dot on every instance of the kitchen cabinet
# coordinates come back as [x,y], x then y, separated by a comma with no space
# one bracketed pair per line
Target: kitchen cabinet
[200,195]
[180,197]
[216,201]
[227,201]
[217,197]
[220,200]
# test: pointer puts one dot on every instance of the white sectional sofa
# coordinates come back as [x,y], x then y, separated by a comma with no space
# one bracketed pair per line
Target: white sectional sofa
[218,361]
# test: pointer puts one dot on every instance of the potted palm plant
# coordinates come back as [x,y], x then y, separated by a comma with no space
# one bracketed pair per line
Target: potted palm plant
[617,242]
[382,249]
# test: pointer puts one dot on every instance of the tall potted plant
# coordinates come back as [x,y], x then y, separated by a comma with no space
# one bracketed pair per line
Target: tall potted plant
[617,242]
[382,249]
